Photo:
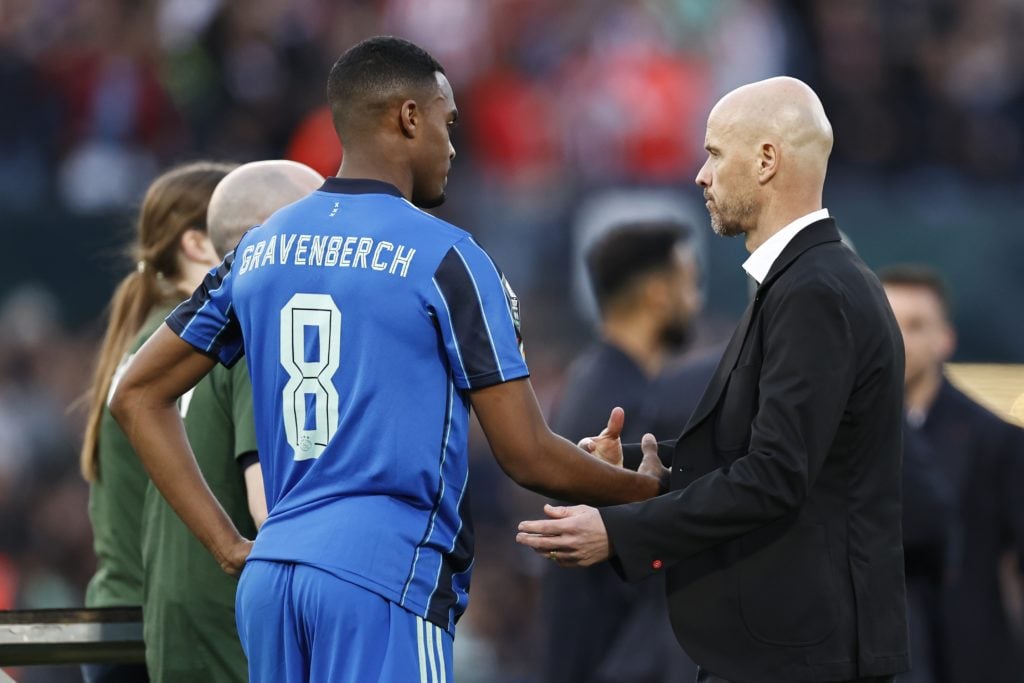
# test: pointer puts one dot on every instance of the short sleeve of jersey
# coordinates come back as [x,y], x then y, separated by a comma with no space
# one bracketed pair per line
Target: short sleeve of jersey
[241,410]
[478,316]
[207,321]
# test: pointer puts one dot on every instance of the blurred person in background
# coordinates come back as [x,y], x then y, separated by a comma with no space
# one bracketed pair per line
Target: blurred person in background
[982,459]
[645,279]
[189,602]
[930,533]
[172,252]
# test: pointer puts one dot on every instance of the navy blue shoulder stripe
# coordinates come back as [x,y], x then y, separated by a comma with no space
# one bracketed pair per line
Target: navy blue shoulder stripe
[471,333]
[182,316]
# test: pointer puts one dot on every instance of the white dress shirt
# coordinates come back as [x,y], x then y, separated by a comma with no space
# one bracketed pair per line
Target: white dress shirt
[760,262]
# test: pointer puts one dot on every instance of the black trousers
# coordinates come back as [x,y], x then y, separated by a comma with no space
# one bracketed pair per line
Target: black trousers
[708,677]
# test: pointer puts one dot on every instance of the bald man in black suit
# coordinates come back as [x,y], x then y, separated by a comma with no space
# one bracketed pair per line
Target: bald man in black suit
[780,531]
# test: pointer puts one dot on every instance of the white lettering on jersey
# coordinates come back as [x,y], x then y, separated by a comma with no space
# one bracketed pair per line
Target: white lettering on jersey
[328,251]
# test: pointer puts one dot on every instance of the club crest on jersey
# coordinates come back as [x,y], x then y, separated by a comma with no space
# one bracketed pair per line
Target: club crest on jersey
[513,307]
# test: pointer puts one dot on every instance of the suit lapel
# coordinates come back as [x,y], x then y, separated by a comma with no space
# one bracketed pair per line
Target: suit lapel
[725,366]
[814,234]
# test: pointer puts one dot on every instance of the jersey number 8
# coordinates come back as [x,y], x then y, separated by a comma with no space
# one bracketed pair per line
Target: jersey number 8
[310,354]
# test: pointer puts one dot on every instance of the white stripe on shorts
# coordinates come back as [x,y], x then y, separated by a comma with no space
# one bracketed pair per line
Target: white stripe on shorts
[440,652]
[428,635]
[419,650]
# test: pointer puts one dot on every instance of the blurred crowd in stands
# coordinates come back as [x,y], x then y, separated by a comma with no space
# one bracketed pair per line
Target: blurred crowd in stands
[559,100]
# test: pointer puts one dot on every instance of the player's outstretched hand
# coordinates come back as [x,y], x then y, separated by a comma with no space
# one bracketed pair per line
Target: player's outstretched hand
[651,465]
[233,561]
[572,536]
[607,445]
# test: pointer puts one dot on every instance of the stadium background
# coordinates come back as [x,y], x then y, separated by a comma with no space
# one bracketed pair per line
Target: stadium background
[560,103]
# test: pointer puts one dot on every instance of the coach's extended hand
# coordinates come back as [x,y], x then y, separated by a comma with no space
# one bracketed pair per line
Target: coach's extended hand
[608,444]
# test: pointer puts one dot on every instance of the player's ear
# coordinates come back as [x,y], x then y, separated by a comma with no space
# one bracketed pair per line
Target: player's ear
[409,118]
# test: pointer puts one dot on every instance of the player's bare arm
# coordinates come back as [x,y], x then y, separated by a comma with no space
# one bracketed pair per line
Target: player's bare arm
[540,460]
[145,407]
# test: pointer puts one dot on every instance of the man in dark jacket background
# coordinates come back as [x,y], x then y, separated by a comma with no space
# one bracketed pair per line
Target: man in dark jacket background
[981,458]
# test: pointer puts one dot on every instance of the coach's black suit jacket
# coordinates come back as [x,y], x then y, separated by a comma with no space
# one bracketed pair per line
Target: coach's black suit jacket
[781,533]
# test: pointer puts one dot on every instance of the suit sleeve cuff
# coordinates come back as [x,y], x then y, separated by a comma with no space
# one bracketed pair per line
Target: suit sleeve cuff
[630,563]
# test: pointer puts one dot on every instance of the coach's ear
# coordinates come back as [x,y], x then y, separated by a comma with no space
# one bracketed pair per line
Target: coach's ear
[767,162]
[408,118]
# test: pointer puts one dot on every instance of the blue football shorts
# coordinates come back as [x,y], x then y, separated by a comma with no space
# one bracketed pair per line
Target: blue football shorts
[301,624]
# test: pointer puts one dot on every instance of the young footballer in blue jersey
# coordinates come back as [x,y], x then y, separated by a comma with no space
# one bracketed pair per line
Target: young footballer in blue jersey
[370,328]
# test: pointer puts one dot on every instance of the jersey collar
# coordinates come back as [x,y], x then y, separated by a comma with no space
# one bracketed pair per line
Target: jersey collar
[358,186]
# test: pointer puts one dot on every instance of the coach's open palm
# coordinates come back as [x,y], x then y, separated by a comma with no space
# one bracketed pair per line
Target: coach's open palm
[608,444]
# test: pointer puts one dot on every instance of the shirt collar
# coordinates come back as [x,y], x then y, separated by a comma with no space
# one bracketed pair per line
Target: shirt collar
[358,186]
[760,262]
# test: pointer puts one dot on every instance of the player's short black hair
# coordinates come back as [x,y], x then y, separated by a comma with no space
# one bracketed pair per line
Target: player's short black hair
[629,251]
[917,275]
[370,75]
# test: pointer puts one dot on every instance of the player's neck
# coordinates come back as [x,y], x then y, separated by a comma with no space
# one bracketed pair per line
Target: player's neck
[356,165]
[638,339]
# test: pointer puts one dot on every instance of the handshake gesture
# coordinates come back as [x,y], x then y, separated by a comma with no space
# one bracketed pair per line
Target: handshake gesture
[608,447]
[576,536]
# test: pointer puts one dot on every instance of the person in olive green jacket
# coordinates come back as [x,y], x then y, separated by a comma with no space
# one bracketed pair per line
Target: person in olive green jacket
[172,253]
[188,601]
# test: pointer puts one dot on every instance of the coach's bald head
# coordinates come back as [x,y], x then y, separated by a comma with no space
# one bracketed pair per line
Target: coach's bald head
[250,193]
[768,146]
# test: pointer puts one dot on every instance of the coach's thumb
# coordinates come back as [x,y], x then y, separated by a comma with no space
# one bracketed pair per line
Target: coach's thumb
[556,511]
[616,421]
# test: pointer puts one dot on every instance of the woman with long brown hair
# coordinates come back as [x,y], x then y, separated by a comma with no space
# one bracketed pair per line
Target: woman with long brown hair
[172,253]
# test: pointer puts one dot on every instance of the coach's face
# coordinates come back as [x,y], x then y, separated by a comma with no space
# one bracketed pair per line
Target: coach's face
[435,151]
[928,339]
[728,176]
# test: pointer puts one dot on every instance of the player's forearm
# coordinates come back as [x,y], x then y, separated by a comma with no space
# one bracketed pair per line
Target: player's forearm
[552,466]
[157,435]
[570,474]
[536,458]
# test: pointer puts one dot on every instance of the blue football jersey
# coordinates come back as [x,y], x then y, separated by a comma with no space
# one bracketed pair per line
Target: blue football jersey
[366,322]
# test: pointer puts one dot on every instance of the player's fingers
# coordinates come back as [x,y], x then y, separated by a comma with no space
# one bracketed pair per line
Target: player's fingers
[587,444]
[649,443]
